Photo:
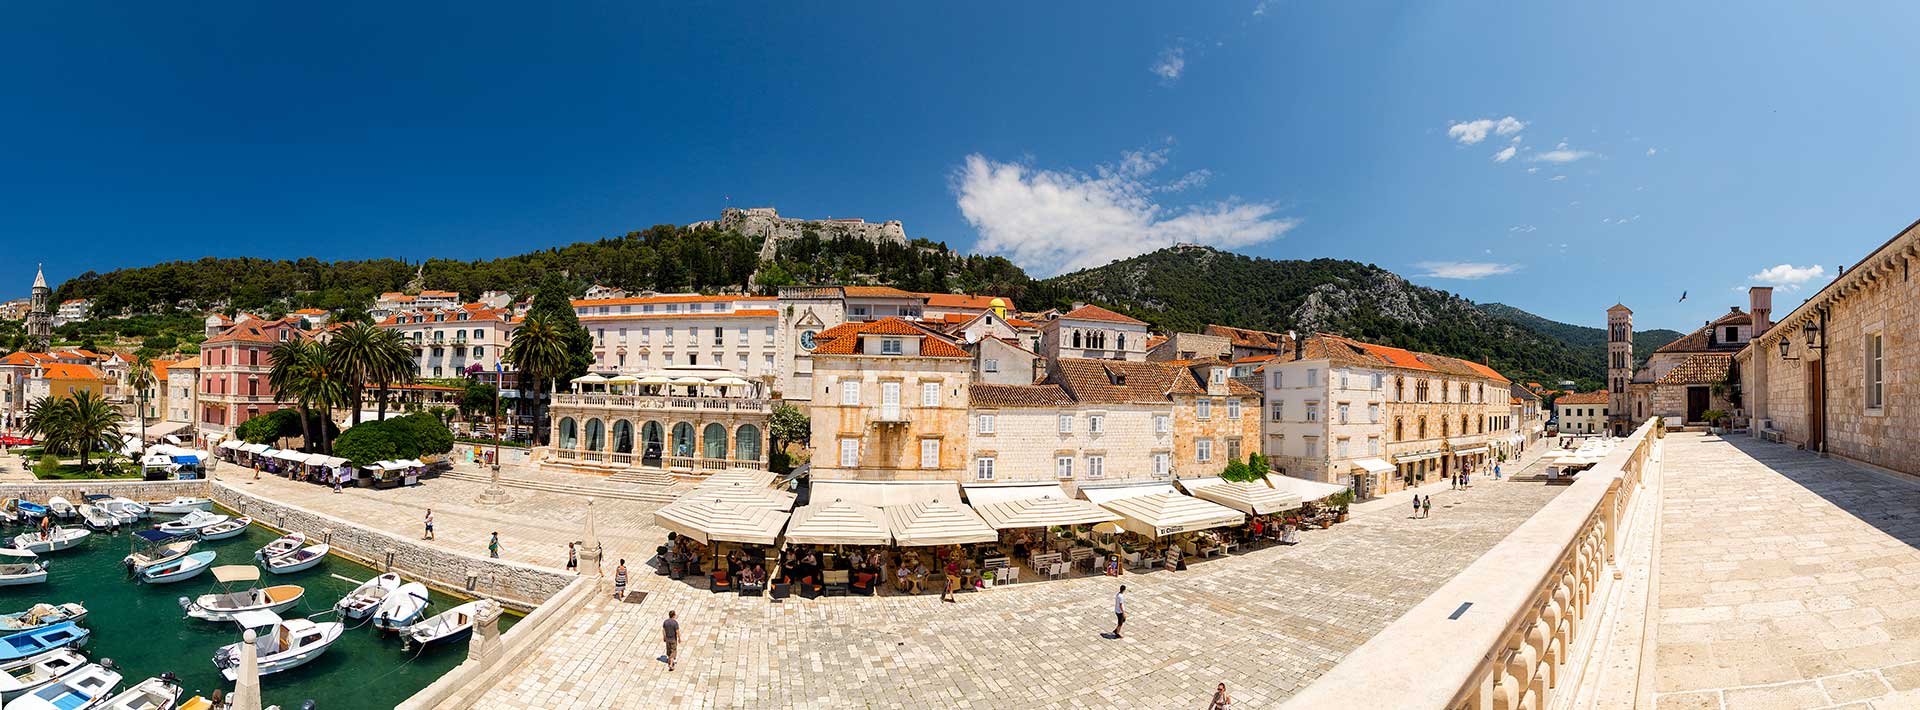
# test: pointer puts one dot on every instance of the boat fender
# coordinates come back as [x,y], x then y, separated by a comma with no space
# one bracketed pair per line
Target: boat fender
[107,663]
[309,705]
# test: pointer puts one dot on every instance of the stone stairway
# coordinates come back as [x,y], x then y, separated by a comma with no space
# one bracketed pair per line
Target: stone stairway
[643,476]
[622,491]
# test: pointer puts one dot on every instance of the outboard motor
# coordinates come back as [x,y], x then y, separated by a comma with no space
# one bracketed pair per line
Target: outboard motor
[107,663]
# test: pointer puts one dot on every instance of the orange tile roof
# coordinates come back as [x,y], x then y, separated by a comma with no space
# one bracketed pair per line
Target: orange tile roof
[877,292]
[310,312]
[961,300]
[160,369]
[635,300]
[845,341]
[1256,358]
[1154,341]
[454,294]
[1488,371]
[1596,397]
[192,363]
[1091,312]
[1699,369]
[72,301]
[68,371]
[24,358]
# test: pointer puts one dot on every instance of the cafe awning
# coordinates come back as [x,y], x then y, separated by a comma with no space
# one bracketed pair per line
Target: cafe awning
[881,494]
[1253,498]
[1417,457]
[160,430]
[739,476]
[1162,514]
[1103,494]
[1041,512]
[1371,465]
[1194,484]
[1471,450]
[710,521]
[757,496]
[838,522]
[984,493]
[589,379]
[937,522]
[1305,489]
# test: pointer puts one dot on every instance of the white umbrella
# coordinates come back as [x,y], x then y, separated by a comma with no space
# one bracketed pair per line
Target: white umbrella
[656,380]
[730,382]
[589,379]
[689,381]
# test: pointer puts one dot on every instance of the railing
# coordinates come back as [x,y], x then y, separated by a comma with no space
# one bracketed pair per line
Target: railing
[626,401]
[1501,635]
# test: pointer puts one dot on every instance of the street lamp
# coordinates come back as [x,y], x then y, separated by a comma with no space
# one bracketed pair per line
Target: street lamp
[1786,349]
[1812,332]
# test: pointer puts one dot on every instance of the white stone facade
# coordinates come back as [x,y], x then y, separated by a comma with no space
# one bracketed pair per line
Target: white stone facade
[1072,445]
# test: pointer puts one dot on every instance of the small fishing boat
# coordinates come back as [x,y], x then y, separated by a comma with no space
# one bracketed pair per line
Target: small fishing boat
[184,568]
[223,530]
[156,547]
[29,510]
[192,522]
[53,540]
[128,506]
[14,647]
[18,573]
[402,607]
[96,519]
[279,644]
[222,605]
[26,675]
[77,690]
[283,545]
[61,509]
[41,615]
[181,505]
[304,558]
[366,598]
[161,692]
[452,625]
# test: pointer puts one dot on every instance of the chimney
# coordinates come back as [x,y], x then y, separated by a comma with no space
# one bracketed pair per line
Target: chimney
[1760,304]
[1077,305]
[1295,339]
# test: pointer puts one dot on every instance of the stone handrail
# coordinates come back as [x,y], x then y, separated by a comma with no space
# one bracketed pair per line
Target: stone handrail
[1499,635]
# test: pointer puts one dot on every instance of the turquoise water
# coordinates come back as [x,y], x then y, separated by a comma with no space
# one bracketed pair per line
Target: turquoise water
[142,628]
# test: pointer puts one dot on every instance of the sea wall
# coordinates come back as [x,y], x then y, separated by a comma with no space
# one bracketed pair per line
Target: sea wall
[513,584]
[471,679]
[39,492]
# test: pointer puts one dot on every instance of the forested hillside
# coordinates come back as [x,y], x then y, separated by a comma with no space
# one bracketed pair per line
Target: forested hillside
[1591,343]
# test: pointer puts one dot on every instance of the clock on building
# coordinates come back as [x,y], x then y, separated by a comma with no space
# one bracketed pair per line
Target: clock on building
[806,340]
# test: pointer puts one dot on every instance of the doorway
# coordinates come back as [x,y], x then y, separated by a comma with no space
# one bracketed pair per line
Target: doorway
[1816,405]
[1696,403]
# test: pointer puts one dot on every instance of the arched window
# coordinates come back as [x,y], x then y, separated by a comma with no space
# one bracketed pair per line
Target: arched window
[1399,388]
[1076,338]
[623,437]
[713,441]
[1423,427]
[569,433]
[596,435]
[1399,429]
[1123,341]
[683,439]
[1446,429]
[653,439]
[1463,423]
[746,443]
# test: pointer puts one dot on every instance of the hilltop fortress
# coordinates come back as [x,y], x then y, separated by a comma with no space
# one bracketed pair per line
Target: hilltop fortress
[767,223]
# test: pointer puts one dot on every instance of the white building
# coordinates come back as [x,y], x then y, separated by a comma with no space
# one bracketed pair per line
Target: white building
[1094,333]
[645,333]
[1583,413]
[72,310]
[450,341]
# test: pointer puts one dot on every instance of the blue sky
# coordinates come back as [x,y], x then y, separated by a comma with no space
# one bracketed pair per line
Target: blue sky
[1656,147]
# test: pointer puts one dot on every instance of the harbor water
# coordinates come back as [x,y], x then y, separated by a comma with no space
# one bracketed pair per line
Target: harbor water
[144,630]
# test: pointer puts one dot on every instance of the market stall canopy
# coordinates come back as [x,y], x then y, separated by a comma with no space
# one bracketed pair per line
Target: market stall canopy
[1162,514]
[881,494]
[229,574]
[1305,489]
[838,522]
[187,459]
[1373,465]
[161,430]
[1246,497]
[156,461]
[1041,512]
[255,448]
[737,477]
[982,493]
[291,455]
[327,461]
[937,522]
[710,521]
[1104,494]
[232,444]
[413,463]
[745,495]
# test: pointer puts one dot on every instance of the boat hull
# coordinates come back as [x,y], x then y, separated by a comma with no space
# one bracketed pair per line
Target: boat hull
[182,569]
[208,613]
[212,533]
[307,558]
[180,507]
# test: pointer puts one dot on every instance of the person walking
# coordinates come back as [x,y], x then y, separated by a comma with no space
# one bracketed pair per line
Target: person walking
[1221,700]
[620,580]
[1496,472]
[573,559]
[493,545]
[1416,505]
[429,521]
[953,584]
[1426,509]
[670,632]
[1119,610]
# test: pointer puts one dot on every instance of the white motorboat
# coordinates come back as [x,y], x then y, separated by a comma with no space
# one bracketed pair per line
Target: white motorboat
[192,522]
[402,607]
[279,644]
[366,598]
[222,605]
[452,625]
[304,558]
[283,545]
[182,505]
[53,540]
[183,568]
[22,573]
[96,519]
[61,509]
[74,691]
[128,506]
[155,547]
[223,530]
[41,615]
[160,692]
[26,675]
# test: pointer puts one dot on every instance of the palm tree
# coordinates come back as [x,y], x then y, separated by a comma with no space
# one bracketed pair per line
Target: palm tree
[140,378]
[356,351]
[394,363]
[81,423]
[539,352]
[305,373]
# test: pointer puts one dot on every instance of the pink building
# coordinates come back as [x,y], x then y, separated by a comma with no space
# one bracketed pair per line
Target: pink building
[233,375]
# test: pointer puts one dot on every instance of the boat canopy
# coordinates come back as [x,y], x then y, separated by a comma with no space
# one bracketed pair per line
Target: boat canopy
[228,574]
[256,618]
[158,536]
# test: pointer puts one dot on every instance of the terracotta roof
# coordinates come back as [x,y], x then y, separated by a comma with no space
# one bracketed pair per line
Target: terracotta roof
[1736,317]
[740,313]
[310,312]
[72,301]
[254,331]
[961,300]
[453,294]
[1114,381]
[1047,395]
[1256,358]
[1248,338]
[68,371]
[877,292]
[846,341]
[1154,341]
[1334,347]
[1091,312]
[1699,369]
[636,300]
[192,363]
[1488,372]
[1701,340]
[1597,397]
[160,369]
[1017,323]
[24,358]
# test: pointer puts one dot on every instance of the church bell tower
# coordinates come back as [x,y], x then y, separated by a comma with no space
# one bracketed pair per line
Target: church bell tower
[40,318]
[1619,369]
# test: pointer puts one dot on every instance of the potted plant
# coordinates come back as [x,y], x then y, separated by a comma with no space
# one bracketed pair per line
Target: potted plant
[1714,419]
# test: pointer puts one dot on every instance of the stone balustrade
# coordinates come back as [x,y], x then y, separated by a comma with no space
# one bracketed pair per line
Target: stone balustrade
[627,402]
[1502,634]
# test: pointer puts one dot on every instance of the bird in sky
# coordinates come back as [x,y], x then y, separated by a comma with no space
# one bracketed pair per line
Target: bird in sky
[1683,296]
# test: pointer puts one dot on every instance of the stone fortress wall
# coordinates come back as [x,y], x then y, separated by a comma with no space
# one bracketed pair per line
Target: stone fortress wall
[766,222]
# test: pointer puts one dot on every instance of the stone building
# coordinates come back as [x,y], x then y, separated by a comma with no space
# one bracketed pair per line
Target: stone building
[1582,413]
[233,376]
[1682,379]
[688,421]
[1247,343]
[40,317]
[1190,346]
[1045,433]
[653,332]
[1832,375]
[766,224]
[890,404]
[1216,419]
[447,342]
[1092,332]
[183,397]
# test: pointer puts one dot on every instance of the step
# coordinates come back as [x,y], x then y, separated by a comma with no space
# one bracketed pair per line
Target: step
[643,476]
[566,488]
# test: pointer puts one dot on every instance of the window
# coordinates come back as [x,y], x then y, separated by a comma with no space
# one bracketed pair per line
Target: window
[1160,461]
[1373,413]
[1313,411]
[1379,380]
[929,394]
[990,365]
[1279,411]
[1063,467]
[767,363]
[889,346]
[1343,379]
[1219,376]
[1373,446]
[1203,450]
[1341,446]
[1066,424]
[1313,447]
[1096,466]
[849,390]
[983,469]
[1233,409]
[983,424]
[849,452]
[1203,409]
[1233,449]
[1096,423]
[1876,375]
[719,336]
[858,310]
[1313,377]
[929,453]
[1161,423]
[1276,379]
[1343,412]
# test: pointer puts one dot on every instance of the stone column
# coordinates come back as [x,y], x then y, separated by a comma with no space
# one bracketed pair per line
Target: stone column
[590,544]
[246,688]
[484,644]
[494,494]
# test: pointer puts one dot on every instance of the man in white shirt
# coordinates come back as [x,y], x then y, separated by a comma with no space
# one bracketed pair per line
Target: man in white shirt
[1119,610]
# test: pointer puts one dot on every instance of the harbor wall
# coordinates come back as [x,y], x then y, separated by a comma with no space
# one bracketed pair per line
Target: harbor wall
[460,687]
[40,492]
[515,585]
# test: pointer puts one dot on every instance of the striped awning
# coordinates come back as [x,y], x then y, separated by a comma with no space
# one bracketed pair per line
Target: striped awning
[708,521]
[937,522]
[1253,498]
[1041,512]
[1162,514]
[838,522]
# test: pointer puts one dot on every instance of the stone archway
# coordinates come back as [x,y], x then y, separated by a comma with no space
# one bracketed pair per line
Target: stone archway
[623,437]
[713,441]
[682,444]
[653,443]
[569,434]
[746,443]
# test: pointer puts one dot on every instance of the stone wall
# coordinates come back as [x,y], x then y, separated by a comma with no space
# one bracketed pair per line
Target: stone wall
[135,490]
[513,584]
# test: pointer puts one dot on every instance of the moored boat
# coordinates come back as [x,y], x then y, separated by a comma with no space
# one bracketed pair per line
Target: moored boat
[452,625]
[222,605]
[82,688]
[223,530]
[18,573]
[161,692]
[156,547]
[192,522]
[280,546]
[29,510]
[61,508]
[25,675]
[183,568]
[366,598]
[53,540]
[127,506]
[402,607]
[304,558]
[29,643]
[96,519]
[41,615]
[181,505]
[279,644]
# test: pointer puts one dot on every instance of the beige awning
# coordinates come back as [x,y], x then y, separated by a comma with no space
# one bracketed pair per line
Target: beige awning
[232,444]
[229,574]
[937,522]
[739,476]
[1417,457]
[1371,465]
[881,494]
[1195,484]
[1254,498]
[1041,512]
[656,380]
[1469,451]
[589,379]
[1105,494]
[838,522]
[982,493]
[707,521]
[1162,514]
[745,495]
[1305,489]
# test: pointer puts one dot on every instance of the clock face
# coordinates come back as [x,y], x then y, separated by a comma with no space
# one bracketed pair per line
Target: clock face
[806,340]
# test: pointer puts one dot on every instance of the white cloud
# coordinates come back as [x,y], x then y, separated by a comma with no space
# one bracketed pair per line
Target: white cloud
[1531,171]
[1051,222]
[1522,228]
[1260,9]
[1471,132]
[1560,154]
[1464,269]
[1505,154]
[1557,178]
[1788,276]
[1652,151]
[1170,65]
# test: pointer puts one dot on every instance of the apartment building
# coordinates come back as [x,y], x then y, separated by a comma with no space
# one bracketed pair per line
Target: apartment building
[233,376]
[890,403]
[653,332]
[450,342]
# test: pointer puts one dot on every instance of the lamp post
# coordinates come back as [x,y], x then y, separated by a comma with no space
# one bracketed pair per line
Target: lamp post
[495,494]
[1816,340]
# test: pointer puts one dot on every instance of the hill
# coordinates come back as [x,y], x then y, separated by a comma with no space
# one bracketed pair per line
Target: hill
[1591,343]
